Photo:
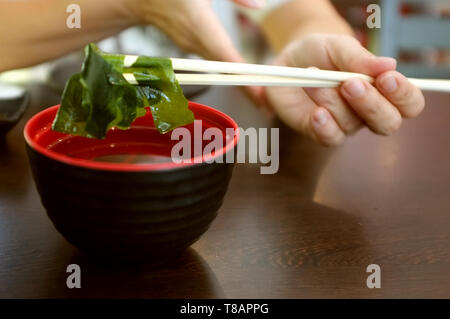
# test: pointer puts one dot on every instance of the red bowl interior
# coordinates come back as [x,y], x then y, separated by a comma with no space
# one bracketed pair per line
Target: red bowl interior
[141,140]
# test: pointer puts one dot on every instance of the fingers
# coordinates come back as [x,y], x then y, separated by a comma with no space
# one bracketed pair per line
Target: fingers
[348,54]
[332,114]
[407,98]
[195,28]
[343,114]
[214,42]
[379,114]
[334,52]
[324,128]
[296,109]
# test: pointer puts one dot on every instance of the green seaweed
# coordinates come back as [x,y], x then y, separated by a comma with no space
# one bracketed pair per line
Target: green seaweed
[100,98]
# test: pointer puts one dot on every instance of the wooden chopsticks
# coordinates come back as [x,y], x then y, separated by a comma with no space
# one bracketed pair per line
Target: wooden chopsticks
[254,80]
[242,74]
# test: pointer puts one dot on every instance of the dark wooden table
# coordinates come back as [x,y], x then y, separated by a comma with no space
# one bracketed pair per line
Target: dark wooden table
[308,231]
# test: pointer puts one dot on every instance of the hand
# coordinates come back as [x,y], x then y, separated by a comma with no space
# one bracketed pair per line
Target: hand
[329,115]
[192,25]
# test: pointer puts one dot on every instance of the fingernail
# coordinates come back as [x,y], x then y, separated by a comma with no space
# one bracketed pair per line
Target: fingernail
[354,87]
[387,62]
[320,117]
[388,58]
[389,83]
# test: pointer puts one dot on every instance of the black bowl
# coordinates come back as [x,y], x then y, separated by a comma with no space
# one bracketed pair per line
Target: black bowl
[128,211]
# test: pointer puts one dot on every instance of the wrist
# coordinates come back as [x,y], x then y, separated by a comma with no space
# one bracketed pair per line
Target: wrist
[298,18]
[317,27]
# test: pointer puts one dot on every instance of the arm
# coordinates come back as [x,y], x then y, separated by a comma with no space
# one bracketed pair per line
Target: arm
[298,18]
[33,31]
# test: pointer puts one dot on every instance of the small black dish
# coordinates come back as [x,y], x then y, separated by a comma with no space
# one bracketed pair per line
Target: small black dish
[12,107]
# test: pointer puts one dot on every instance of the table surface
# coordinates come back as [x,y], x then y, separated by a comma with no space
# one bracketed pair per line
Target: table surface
[309,231]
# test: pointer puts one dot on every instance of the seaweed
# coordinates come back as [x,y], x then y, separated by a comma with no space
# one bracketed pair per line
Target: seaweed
[100,98]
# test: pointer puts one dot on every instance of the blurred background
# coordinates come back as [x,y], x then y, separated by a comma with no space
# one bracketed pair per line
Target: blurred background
[415,32]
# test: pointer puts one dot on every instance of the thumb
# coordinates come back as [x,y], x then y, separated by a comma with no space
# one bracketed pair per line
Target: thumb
[349,55]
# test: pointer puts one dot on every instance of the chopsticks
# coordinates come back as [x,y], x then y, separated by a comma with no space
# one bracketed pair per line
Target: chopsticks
[242,74]
[257,69]
[255,80]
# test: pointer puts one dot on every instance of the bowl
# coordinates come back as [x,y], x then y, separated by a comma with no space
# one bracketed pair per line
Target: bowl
[123,199]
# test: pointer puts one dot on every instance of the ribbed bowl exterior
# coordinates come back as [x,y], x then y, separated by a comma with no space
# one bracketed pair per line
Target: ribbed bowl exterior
[130,216]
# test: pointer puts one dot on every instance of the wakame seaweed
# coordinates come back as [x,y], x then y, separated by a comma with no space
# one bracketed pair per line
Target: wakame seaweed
[100,98]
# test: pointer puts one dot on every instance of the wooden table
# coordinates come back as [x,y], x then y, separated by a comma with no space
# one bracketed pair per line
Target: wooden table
[308,231]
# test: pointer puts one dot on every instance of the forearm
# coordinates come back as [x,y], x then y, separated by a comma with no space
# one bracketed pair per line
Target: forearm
[33,31]
[298,18]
